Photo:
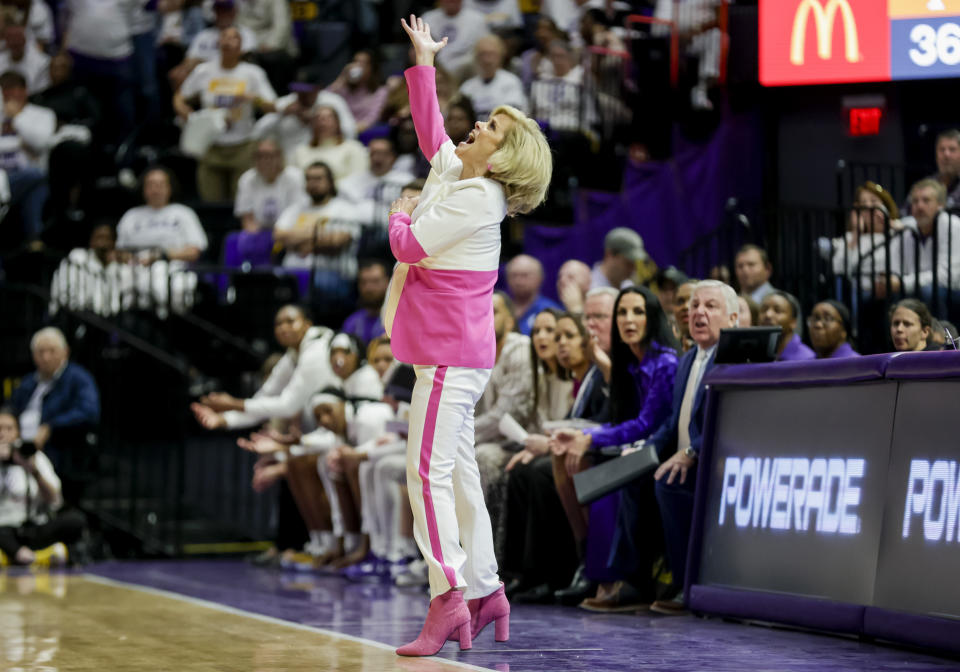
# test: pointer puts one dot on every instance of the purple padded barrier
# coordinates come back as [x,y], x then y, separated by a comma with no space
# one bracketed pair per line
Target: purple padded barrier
[806,612]
[797,374]
[916,629]
[925,365]
[695,546]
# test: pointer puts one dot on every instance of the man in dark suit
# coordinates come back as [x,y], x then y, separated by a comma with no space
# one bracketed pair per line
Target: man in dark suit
[56,401]
[713,306]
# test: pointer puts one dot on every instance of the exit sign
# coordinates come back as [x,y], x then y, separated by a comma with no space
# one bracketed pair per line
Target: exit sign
[864,121]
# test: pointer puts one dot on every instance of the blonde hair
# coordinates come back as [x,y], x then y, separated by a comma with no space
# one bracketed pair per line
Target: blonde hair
[929,183]
[523,163]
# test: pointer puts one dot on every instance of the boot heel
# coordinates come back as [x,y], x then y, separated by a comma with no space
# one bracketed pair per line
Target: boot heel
[466,637]
[502,628]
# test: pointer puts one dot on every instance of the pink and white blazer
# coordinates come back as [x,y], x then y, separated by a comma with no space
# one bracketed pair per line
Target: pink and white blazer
[439,310]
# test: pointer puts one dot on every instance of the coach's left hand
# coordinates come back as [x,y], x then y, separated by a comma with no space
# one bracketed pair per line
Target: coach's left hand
[404,204]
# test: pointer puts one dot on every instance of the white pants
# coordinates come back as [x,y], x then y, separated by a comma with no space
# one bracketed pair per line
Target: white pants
[326,477]
[379,498]
[450,520]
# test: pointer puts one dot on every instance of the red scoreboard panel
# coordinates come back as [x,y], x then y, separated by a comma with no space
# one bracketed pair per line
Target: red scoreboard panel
[837,41]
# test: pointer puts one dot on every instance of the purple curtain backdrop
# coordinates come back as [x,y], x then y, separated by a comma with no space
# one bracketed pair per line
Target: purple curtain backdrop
[670,204]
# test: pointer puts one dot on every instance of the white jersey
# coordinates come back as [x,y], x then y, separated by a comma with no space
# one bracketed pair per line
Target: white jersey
[336,215]
[100,28]
[462,32]
[232,89]
[267,201]
[504,89]
[34,66]
[299,374]
[172,227]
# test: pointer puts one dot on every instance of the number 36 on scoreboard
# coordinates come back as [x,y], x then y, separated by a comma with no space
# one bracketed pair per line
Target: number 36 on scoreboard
[924,38]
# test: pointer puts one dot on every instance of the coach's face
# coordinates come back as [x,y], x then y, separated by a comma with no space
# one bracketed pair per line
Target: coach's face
[708,315]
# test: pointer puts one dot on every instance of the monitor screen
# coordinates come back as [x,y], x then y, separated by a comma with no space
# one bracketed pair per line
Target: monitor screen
[748,345]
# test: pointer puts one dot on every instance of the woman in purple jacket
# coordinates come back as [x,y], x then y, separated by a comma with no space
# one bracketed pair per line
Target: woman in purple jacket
[644,364]
[643,351]
[439,316]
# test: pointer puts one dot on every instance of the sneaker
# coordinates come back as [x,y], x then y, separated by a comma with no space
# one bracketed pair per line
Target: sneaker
[370,568]
[51,556]
[699,99]
[267,558]
[398,567]
[417,574]
[300,562]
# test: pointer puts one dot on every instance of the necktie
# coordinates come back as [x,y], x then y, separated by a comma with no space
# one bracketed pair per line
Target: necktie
[686,406]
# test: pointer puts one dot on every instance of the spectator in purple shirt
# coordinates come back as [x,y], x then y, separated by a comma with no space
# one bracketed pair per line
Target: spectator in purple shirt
[372,280]
[781,309]
[829,325]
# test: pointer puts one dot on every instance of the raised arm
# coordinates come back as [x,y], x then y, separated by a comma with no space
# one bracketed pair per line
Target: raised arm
[422,86]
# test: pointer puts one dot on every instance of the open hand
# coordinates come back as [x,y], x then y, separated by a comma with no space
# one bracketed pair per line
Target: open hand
[678,465]
[425,46]
[207,417]
[260,444]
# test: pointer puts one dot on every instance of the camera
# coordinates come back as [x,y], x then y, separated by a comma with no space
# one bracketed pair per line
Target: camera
[25,449]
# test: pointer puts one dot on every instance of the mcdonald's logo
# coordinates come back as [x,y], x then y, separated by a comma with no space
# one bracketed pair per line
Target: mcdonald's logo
[824,19]
[848,41]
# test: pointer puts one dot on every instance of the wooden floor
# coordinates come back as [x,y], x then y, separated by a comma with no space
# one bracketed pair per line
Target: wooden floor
[54,622]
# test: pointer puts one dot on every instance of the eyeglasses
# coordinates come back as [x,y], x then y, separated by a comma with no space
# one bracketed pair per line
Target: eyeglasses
[825,320]
[597,316]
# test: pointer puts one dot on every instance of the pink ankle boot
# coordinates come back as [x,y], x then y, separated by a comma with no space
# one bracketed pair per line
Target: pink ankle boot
[448,617]
[493,607]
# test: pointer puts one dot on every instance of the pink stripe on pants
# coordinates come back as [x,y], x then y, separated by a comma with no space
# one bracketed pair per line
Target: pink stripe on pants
[450,521]
[426,450]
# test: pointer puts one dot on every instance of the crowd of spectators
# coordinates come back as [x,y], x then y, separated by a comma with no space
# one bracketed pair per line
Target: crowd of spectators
[230,83]
[619,360]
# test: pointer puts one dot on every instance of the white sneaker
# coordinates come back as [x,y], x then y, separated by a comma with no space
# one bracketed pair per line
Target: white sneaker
[699,99]
[416,575]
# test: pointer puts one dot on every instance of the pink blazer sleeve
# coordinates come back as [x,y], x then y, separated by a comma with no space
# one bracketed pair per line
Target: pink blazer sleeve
[425,109]
[403,243]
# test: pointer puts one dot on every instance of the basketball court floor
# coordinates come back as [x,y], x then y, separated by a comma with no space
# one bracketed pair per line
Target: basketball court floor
[229,616]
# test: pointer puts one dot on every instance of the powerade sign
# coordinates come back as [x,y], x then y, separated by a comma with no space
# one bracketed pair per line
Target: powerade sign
[932,502]
[820,495]
[835,41]
[920,547]
[849,493]
[794,505]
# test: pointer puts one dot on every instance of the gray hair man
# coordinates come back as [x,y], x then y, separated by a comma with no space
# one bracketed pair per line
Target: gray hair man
[713,306]
[58,400]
